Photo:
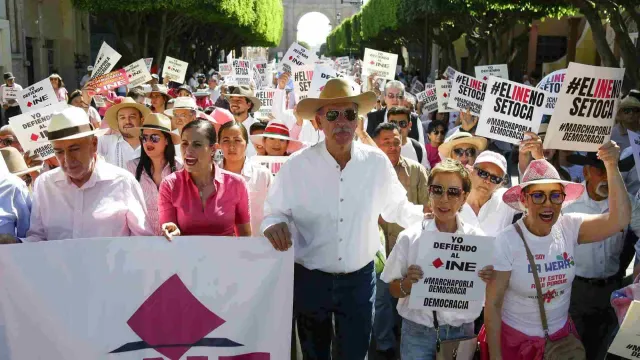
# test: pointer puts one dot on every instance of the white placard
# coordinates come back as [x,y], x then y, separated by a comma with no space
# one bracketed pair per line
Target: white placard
[229,57]
[510,109]
[296,56]
[261,68]
[450,72]
[31,129]
[37,96]
[9,93]
[443,92]
[586,108]
[225,69]
[302,77]
[627,341]
[429,98]
[148,62]
[106,60]
[242,72]
[379,63]
[99,100]
[467,93]
[175,69]
[321,74]
[266,101]
[137,73]
[343,62]
[272,163]
[552,83]
[483,72]
[417,87]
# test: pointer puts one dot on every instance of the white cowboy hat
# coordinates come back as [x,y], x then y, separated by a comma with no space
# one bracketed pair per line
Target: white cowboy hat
[182,102]
[15,162]
[245,91]
[161,122]
[111,116]
[336,91]
[71,123]
[459,138]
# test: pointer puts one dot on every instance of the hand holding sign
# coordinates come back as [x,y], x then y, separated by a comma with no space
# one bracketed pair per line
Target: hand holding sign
[609,153]
[532,145]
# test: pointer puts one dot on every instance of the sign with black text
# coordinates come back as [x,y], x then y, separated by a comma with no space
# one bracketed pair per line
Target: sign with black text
[627,341]
[467,93]
[31,129]
[37,96]
[302,77]
[105,61]
[379,63]
[9,93]
[429,98]
[266,101]
[138,73]
[225,69]
[483,72]
[443,92]
[296,56]
[241,72]
[174,69]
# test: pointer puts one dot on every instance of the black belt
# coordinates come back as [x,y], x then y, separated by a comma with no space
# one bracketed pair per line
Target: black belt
[369,266]
[600,282]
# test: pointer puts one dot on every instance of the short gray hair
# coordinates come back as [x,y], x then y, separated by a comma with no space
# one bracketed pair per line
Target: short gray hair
[394,84]
[410,98]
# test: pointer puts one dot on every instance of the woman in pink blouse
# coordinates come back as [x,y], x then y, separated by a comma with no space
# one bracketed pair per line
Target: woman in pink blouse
[156,161]
[203,199]
[58,87]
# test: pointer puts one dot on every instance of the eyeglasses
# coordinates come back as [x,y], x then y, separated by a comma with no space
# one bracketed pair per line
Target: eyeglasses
[540,197]
[628,111]
[349,114]
[438,132]
[154,138]
[470,152]
[402,123]
[7,141]
[394,96]
[485,174]
[438,190]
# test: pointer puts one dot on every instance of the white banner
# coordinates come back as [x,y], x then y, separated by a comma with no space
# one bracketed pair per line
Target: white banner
[450,72]
[627,341]
[272,163]
[106,60]
[31,128]
[100,102]
[241,72]
[467,93]
[510,109]
[483,72]
[451,263]
[302,81]
[137,73]
[296,56]
[443,92]
[586,108]
[9,93]
[37,96]
[429,98]
[175,69]
[266,101]
[379,63]
[146,298]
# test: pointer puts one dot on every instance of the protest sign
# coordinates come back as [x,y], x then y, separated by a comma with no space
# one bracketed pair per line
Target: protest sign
[257,78]
[510,109]
[272,163]
[321,74]
[552,84]
[627,341]
[241,72]
[147,299]
[261,68]
[416,87]
[450,72]
[148,62]
[9,93]
[343,62]
[106,60]
[225,69]
[137,73]
[229,57]
[296,56]
[443,92]
[634,140]
[379,63]
[31,129]
[467,93]
[483,72]
[429,98]
[451,263]
[302,81]
[99,100]
[37,96]
[266,101]
[174,69]
[586,108]
[104,83]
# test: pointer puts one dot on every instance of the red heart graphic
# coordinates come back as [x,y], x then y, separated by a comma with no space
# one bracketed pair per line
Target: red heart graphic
[321,88]
[34,137]
[29,104]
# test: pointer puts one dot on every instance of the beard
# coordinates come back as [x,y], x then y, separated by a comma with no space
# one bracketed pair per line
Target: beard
[602,189]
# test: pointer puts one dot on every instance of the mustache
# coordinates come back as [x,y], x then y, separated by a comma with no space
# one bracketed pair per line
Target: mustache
[342,129]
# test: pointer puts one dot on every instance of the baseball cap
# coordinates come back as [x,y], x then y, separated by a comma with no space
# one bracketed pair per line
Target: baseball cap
[90,68]
[493,158]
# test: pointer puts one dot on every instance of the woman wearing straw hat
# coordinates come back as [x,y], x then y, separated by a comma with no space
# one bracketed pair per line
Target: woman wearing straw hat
[159,95]
[58,87]
[463,147]
[157,160]
[276,140]
[18,167]
[516,300]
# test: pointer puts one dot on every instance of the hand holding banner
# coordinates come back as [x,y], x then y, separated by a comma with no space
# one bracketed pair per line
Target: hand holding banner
[467,93]
[104,83]
[379,63]
[174,69]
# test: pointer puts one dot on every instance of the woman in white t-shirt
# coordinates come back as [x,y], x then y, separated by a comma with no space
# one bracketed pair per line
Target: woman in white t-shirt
[512,318]
[449,185]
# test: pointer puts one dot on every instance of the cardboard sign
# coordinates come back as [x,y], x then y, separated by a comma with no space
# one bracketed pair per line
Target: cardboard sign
[37,96]
[627,341]
[450,72]
[467,93]
[321,74]
[343,62]
[302,81]
[429,98]
[31,129]
[510,109]
[416,87]
[483,72]
[443,92]
[225,69]
[174,69]
[242,72]
[451,263]
[552,84]
[261,68]
[148,62]
[586,108]
[296,56]
[106,60]
[272,163]
[9,93]
[137,73]
[266,101]
[379,63]
[99,100]
[104,83]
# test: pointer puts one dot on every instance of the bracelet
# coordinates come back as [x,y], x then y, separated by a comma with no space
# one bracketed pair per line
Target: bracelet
[402,289]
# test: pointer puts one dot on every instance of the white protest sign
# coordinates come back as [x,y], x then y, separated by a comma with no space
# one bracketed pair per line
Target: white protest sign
[321,74]
[343,62]
[483,72]
[416,87]
[99,100]
[634,140]
[627,341]
[106,60]
[467,93]
[443,92]
[229,57]
[296,56]
[510,109]
[31,129]
[9,93]
[174,69]
[241,72]
[261,68]
[225,69]
[266,101]
[148,63]
[272,163]
[552,83]
[147,299]
[586,108]
[429,98]
[450,72]
[302,81]
[137,73]
[37,96]
[451,263]
[379,63]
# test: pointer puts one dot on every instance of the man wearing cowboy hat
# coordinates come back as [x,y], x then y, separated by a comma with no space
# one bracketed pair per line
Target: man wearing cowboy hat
[183,112]
[10,106]
[97,199]
[118,148]
[327,199]
[243,102]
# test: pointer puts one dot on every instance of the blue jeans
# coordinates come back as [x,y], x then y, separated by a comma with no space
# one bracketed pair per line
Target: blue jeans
[418,342]
[385,317]
[348,298]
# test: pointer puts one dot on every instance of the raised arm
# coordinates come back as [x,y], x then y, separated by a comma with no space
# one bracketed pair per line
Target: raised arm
[528,150]
[493,311]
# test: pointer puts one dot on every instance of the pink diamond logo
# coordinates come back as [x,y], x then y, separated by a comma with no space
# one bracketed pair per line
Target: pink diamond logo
[484,78]
[34,137]
[29,104]
[437,263]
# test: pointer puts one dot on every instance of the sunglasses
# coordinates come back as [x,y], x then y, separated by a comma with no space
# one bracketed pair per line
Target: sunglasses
[438,133]
[540,197]
[402,123]
[438,190]
[470,152]
[628,111]
[7,141]
[154,138]
[394,96]
[349,114]
[492,178]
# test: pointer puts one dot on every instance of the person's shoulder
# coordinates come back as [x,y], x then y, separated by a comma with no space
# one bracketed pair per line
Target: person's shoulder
[11,181]
[412,164]
[468,229]
[508,233]
[132,165]
[111,172]
[412,233]
[260,170]
[377,113]
[370,153]
[230,177]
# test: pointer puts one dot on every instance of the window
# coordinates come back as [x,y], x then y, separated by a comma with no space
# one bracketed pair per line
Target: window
[49,45]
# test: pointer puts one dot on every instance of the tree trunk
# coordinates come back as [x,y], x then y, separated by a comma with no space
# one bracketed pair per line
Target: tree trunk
[162,36]
[145,42]
[627,49]
[599,33]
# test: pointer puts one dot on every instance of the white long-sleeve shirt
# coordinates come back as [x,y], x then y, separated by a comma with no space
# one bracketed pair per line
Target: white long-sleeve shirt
[335,212]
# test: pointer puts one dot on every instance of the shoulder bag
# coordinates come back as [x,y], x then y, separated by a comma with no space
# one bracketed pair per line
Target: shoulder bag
[457,349]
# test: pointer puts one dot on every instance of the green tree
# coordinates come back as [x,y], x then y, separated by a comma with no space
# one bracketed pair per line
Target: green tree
[304,44]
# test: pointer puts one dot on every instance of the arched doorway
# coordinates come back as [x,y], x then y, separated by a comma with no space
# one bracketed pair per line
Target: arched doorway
[313,28]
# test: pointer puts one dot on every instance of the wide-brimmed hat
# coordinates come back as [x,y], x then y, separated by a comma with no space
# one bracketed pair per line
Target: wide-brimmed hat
[161,122]
[55,76]
[245,91]
[159,88]
[630,101]
[458,138]
[541,172]
[111,116]
[274,130]
[185,87]
[201,93]
[336,91]
[591,159]
[71,123]
[182,102]
[8,76]
[15,162]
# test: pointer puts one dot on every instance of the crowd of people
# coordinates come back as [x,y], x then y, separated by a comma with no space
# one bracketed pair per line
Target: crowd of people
[367,173]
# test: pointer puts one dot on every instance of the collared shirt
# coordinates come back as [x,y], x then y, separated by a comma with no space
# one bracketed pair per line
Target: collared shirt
[258,179]
[333,213]
[3,101]
[116,150]
[109,204]
[493,217]
[251,151]
[408,151]
[150,191]
[15,206]
[600,260]
[179,202]
[413,178]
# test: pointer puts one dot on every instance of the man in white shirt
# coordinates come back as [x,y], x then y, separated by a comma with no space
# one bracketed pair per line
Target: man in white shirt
[85,79]
[10,106]
[214,89]
[242,103]
[411,148]
[327,199]
[85,197]
[124,143]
